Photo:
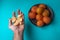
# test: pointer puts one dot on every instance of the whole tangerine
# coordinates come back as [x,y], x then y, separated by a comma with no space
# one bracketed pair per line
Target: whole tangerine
[33,9]
[42,5]
[32,15]
[39,17]
[46,20]
[39,10]
[46,13]
[40,23]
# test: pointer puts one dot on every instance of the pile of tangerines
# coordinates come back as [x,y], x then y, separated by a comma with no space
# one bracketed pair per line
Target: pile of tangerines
[41,14]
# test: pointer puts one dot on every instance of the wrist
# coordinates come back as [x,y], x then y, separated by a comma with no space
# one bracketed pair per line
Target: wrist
[15,32]
[20,33]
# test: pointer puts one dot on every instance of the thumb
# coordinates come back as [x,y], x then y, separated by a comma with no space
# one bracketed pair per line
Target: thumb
[10,22]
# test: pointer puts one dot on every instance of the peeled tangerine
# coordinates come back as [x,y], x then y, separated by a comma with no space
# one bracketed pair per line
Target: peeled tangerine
[32,15]
[39,17]
[46,13]
[40,23]
[39,10]
[33,9]
[46,20]
[13,19]
[16,23]
[20,17]
[42,5]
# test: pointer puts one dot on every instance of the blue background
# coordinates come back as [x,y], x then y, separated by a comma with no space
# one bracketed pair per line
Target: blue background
[50,32]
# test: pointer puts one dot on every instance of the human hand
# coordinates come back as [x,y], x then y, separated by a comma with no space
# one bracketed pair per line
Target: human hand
[17,24]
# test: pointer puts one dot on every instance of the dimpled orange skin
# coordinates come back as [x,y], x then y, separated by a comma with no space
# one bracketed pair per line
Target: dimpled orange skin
[39,10]
[46,13]
[33,9]
[39,17]
[46,20]
[32,15]
[40,23]
[42,5]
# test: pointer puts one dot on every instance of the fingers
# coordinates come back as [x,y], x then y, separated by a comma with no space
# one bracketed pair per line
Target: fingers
[23,16]
[10,22]
[19,12]
[13,14]
[13,17]
[21,22]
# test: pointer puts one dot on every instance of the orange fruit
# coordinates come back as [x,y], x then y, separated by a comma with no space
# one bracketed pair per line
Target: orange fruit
[13,19]
[39,17]
[39,10]
[40,23]
[46,13]
[32,15]
[16,23]
[33,9]
[46,20]
[42,5]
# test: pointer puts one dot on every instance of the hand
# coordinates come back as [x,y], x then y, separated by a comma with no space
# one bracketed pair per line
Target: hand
[18,28]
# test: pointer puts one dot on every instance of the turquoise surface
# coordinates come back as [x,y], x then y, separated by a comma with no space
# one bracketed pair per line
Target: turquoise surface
[50,32]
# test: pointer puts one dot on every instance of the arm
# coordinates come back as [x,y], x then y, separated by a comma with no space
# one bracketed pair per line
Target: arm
[18,36]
